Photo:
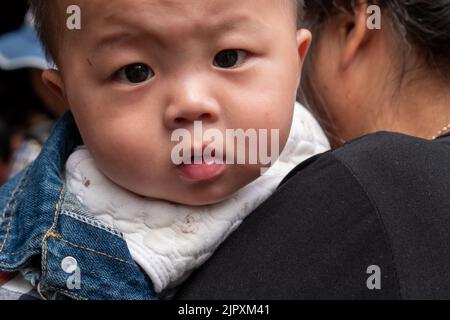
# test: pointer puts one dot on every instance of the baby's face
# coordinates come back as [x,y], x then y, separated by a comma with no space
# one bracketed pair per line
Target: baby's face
[140,69]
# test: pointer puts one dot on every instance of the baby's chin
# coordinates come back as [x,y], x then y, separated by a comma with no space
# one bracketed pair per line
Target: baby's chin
[199,203]
[199,200]
[205,195]
[213,192]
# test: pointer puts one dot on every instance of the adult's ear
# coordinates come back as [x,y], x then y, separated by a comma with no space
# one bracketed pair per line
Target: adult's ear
[353,33]
[53,80]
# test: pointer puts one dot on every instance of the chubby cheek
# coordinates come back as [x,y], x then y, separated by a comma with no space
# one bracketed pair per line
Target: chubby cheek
[126,149]
[262,97]
[273,109]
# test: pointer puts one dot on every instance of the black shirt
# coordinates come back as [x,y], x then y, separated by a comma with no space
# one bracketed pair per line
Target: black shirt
[381,200]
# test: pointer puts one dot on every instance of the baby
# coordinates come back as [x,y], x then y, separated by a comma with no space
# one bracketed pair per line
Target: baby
[137,75]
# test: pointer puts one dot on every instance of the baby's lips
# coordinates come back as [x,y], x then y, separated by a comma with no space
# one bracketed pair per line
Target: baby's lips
[201,172]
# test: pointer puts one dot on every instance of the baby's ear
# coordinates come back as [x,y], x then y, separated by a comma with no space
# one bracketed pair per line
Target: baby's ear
[304,39]
[53,80]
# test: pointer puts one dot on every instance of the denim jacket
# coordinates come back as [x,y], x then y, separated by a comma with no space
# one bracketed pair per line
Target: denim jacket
[49,236]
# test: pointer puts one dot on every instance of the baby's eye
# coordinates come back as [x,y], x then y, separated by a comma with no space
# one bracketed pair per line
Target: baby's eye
[135,73]
[228,59]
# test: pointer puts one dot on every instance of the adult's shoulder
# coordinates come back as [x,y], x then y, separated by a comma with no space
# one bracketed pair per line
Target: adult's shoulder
[386,152]
[385,161]
[378,154]
[406,182]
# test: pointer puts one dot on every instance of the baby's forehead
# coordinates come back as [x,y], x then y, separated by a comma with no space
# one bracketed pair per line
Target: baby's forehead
[171,11]
[104,21]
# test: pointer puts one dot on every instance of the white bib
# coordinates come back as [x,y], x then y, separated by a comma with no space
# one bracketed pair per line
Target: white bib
[168,240]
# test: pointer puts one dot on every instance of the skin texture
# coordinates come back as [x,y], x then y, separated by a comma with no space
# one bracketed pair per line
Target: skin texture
[356,74]
[127,128]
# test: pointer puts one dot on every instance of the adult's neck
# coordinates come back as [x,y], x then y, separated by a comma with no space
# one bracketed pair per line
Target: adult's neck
[420,107]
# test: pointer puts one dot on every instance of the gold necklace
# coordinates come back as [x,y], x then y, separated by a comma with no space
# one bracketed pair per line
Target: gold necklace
[441,132]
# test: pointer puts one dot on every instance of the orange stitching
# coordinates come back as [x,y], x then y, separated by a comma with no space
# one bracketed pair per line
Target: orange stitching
[57,236]
[54,235]
[95,251]
[49,232]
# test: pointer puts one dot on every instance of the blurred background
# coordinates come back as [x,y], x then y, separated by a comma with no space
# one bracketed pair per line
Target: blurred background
[27,108]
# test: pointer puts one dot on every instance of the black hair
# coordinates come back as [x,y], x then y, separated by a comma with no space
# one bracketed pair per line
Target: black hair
[45,20]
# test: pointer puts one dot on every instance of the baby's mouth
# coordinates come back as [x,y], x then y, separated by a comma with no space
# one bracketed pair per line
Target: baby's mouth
[201,169]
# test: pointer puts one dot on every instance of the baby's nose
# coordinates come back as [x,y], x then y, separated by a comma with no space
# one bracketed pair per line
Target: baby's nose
[184,115]
[191,103]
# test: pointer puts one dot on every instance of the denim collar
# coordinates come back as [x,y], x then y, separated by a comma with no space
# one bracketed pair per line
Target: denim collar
[47,230]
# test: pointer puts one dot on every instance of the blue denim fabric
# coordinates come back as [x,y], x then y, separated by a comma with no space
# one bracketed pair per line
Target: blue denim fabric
[46,233]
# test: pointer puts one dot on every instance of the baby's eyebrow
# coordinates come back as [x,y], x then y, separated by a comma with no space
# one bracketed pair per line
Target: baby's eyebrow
[215,27]
[112,38]
[236,22]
